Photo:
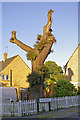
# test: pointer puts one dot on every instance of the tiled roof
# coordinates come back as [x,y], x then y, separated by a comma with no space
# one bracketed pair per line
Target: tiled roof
[3,64]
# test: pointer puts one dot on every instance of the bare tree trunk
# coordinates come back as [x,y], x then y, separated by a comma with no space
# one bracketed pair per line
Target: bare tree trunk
[41,55]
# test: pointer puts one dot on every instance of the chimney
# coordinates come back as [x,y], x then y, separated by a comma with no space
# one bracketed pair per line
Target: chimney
[5,56]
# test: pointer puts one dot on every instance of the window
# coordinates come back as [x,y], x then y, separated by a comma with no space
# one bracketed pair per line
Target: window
[7,77]
[3,77]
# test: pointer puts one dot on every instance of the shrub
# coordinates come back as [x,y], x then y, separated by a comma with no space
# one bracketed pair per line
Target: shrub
[64,88]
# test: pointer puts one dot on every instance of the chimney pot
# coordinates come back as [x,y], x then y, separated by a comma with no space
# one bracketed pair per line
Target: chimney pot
[5,56]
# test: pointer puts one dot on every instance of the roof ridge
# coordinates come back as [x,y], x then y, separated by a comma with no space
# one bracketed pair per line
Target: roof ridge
[9,58]
[12,57]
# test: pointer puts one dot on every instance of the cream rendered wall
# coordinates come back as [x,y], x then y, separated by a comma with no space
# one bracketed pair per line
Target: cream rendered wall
[74,65]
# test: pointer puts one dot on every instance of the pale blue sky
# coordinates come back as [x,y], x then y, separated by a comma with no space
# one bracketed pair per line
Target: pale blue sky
[28,19]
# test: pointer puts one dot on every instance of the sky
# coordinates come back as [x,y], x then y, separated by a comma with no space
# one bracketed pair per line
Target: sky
[28,20]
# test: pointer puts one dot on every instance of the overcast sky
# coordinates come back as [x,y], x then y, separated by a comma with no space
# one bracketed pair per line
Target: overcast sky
[28,20]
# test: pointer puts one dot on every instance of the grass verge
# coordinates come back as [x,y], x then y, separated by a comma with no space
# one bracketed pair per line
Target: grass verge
[54,114]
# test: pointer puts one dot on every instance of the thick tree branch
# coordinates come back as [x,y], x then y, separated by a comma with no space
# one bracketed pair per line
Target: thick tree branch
[21,45]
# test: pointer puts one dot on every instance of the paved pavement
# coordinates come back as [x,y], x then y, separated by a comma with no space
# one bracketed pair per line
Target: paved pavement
[65,114]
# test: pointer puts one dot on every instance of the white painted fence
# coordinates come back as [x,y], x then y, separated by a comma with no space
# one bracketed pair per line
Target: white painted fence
[29,107]
[65,102]
[20,108]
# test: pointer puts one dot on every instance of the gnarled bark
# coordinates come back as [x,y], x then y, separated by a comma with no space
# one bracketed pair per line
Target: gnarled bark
[49,23]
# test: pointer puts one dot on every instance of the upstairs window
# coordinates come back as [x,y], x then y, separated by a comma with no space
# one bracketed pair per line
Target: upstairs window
[3,77]
[7,77]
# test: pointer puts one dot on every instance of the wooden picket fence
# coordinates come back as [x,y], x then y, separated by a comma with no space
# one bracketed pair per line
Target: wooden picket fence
[30,107]
[20,108]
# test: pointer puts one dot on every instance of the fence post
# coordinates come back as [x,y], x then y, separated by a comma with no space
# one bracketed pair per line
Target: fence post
[49,107]
[20,112]
[13,109]
[37,100]
[66,102]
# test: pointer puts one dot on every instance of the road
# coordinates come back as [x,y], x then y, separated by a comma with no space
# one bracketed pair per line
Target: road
[72,113]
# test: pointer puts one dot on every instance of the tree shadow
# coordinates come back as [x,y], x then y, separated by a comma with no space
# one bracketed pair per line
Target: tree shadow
[70,74]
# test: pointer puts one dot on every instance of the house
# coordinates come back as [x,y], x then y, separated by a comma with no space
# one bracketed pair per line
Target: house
[13,73]
[72,68]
